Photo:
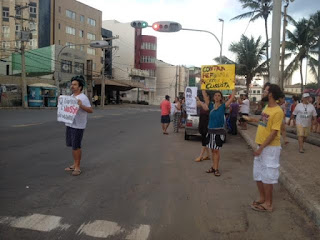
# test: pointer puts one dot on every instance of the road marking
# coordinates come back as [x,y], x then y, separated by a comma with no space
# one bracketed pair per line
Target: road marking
[100,229]
[26,125]
[38,222]
[141,233]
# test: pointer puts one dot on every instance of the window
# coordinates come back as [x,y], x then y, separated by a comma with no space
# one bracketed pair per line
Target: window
[59,42]
[18,10]
[59,9]
[254,91]
[71,14]
[6,45]
[81,33]
[91,36]
[81,48]
[17,44]
[258,91]
[148,46]
[6,31]
[91,22]
[81,18]
[33,43]
[70,30]
[33,26]
[94,66]
[5,14]
[151,73]
[91,51]
[66,66]
[78,68]
[70,45]
[147,59]
[33,9]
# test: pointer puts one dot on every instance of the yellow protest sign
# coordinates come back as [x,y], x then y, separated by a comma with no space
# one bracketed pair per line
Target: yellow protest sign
[218,77]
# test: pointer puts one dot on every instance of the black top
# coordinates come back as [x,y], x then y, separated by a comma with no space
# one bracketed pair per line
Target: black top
[203,121]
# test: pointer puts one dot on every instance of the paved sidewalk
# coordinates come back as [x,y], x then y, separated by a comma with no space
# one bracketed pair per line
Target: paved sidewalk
[299,172]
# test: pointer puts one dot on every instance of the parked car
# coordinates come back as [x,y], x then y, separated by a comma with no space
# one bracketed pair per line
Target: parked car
[191,128]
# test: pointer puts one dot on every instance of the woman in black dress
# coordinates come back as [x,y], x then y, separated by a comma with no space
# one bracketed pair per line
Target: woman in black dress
[203,130]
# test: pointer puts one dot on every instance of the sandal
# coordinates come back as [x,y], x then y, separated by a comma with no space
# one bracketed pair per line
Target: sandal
[206,158]
[211,170]
[69,169]
[76,172]
[217,173]
[198,159]
[261,208]
[256,203]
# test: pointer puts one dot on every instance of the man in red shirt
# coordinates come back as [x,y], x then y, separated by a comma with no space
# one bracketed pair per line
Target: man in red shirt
[165,107]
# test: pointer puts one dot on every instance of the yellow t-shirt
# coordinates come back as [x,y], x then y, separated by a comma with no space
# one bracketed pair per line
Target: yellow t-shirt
[271,119]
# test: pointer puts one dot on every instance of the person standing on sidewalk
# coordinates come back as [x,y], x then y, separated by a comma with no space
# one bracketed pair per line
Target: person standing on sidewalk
[74,131]
[304,113]
[244,110]
[266,161]
[216,129]
[165,107]
[234,111]
[177,115]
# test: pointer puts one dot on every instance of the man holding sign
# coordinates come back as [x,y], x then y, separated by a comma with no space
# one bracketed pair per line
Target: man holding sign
[75,129]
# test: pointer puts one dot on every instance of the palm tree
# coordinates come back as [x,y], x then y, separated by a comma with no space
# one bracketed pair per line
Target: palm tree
[249,55]
[315,28]
[300,43]
[259,9]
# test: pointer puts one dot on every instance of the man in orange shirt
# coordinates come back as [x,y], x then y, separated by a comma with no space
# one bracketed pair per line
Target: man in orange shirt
[165,107]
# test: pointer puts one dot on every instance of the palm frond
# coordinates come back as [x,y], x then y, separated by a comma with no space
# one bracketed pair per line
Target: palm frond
[244,15]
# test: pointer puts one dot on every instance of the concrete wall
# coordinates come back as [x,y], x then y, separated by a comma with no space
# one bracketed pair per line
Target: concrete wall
[11,89]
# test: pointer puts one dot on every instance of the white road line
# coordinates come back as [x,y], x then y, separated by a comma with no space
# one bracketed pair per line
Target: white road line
[100,229]
[140,233]
[38,222]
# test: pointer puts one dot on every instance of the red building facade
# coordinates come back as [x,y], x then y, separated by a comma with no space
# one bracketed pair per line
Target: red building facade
[145,52]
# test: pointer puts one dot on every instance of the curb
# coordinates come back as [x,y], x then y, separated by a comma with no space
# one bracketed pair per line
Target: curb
[311,207]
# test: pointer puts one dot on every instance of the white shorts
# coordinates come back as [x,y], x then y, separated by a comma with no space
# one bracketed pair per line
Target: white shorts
[266,166]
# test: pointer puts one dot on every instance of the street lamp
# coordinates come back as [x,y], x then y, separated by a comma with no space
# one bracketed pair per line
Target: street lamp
[221,20]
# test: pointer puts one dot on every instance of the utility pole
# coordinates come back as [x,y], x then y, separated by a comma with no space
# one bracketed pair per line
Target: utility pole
[283,46]
[275,43]
[25,36]
[176,86]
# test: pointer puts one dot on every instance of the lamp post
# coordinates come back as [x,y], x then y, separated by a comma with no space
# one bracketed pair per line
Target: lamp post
[221,20]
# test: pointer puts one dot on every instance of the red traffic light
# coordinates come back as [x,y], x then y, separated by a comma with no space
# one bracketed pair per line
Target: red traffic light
[155,26]
[166,26]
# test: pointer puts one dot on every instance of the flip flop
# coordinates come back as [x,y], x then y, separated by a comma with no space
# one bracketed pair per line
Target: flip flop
[76,172]
[69,169]
[261,208]
[206,158]
[256,203]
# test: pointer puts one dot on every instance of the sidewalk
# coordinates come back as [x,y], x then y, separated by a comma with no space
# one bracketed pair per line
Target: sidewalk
[299,172]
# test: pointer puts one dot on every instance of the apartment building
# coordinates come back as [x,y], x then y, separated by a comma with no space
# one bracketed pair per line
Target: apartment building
[73,24]
[11,27]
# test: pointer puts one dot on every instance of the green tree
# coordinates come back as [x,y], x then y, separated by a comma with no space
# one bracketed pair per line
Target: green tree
[249,57]
[315,49]
[258,9]
[299,44]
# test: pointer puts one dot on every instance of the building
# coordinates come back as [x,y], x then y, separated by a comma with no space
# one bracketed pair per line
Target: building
[171,80]
[73,24]
[194,77]
[11,27]
[293,89]
[133,61]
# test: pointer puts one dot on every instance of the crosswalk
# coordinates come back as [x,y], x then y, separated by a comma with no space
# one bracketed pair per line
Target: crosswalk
[99,228]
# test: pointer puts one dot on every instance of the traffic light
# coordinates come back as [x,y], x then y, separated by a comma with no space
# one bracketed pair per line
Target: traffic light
[166,26]
[139,24]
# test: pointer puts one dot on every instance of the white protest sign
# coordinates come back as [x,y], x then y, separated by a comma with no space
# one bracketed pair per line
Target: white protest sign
[67,108]
[191,103]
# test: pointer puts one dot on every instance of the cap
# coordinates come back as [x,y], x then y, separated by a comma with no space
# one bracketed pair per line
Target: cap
[305,95]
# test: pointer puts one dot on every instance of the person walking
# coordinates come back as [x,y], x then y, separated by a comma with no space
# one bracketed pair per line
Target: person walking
[75,130]
[216,127]
[267,157]
[234,111]
[244,110]
[292,107]
[283,105]
[203,130]
[177,115]
[165,107]
[96,100]
[304,113]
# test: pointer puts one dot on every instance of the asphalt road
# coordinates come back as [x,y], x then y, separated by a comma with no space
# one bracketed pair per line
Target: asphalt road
[136,184]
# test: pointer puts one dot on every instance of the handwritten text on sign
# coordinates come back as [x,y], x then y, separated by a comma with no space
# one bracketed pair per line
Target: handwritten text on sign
[67,108]
[218,77]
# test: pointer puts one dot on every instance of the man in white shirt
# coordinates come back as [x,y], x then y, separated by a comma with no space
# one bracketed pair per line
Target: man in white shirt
[304,114]
[74,131]
[244,110]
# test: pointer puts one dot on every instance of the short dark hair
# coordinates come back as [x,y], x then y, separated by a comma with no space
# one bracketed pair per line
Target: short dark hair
[80,80]
[276,91]
[246,95]
[266,85]
[167,97]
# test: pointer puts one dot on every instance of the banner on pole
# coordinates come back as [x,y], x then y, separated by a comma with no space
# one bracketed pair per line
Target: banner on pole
[218,77]
[191,103]
[67,108]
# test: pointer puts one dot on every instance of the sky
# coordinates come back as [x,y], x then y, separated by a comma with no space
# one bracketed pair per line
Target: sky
[194,48]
